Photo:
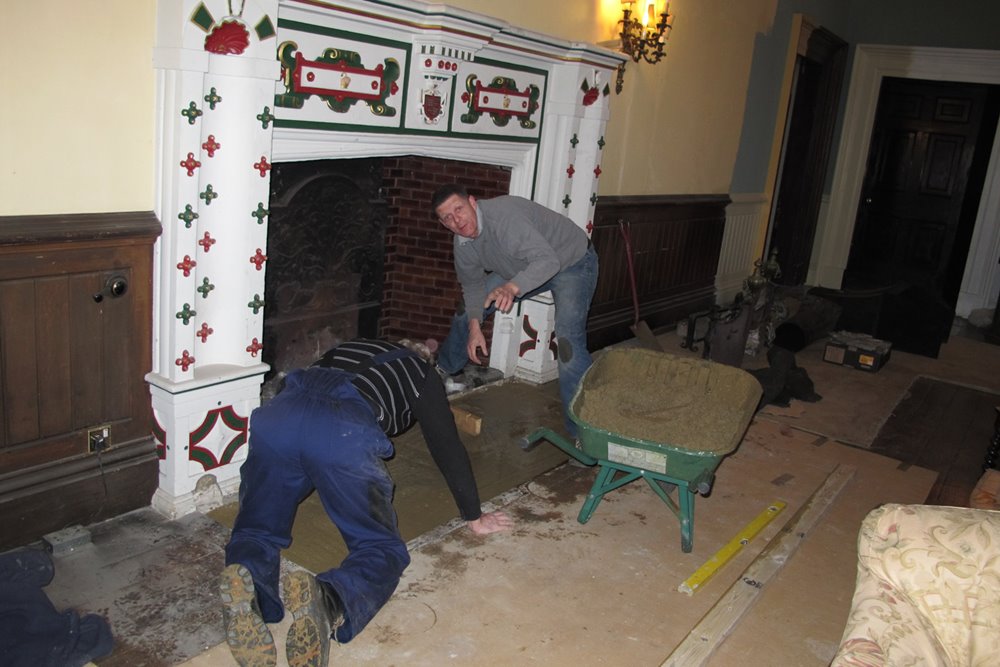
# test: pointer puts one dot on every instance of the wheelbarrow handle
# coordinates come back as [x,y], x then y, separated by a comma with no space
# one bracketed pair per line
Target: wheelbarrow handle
[531,440]
[703,483]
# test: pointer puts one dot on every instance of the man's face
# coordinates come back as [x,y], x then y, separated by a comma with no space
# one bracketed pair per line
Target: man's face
[458,214]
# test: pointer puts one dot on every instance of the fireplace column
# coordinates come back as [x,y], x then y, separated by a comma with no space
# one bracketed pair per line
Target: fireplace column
[215,80]
[569,166]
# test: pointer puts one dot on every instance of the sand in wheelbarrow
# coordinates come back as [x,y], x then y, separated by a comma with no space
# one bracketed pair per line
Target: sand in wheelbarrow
[664,399]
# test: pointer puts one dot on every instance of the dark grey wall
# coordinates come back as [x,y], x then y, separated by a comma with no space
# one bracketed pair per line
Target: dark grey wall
[965,24]
[971,24]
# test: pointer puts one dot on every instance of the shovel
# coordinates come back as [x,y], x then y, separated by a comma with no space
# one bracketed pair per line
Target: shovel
[639,327]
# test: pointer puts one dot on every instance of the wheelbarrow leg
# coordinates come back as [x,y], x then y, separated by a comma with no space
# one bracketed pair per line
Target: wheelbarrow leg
[597,492]
[685,497]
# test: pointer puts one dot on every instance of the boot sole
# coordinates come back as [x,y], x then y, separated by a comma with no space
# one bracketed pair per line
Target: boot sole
[308,640]
[247,635]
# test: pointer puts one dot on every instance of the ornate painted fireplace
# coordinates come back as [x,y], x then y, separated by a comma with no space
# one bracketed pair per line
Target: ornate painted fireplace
[243,87]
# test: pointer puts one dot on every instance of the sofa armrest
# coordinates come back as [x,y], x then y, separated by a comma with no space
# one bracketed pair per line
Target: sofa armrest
[928,588]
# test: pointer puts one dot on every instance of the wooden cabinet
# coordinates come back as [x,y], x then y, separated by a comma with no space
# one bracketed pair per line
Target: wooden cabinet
[75,345]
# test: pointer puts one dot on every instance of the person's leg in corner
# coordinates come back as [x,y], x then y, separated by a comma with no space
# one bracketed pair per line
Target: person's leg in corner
[356,491]
[271,486]
[572,291]
[452,356]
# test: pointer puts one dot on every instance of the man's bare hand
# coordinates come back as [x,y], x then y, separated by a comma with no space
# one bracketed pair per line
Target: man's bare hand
[477,343]
[502,297]
[491,522]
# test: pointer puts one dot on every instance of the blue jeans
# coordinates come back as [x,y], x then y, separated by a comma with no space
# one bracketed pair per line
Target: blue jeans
[319,433]
[572,291]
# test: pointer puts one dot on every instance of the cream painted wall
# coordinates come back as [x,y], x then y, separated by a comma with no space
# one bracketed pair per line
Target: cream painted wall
[67,64]
[674,129]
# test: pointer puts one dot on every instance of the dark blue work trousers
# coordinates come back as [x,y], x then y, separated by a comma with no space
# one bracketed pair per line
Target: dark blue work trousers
[319,433]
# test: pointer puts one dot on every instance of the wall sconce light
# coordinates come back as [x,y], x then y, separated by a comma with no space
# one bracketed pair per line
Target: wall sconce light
[641,39]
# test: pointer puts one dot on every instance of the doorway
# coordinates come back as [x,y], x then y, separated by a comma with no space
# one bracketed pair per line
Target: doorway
[925,172]
[873,62]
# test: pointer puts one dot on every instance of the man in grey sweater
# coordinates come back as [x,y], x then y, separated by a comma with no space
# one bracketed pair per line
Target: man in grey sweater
[508,248]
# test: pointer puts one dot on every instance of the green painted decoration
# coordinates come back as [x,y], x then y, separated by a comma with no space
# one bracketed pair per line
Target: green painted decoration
[265,117]
[212,99]
[260,213]
[188,216]
[264,28]
[349,64]
[257,304]
[186,314]
[208,195]
[192,113]
[202,17]
[205,288]
[500,85]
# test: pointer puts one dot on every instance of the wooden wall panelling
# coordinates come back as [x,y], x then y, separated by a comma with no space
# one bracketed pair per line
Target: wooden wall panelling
[52,301]
[69,364]
[676,241]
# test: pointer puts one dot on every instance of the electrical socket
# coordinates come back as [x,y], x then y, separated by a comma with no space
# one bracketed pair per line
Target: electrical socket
[99,439]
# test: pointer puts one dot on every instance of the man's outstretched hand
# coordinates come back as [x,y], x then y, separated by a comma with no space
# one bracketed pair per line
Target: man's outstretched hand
[503,297]
[491,522]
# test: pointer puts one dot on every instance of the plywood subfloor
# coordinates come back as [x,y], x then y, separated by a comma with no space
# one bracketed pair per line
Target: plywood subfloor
[856,403]
[556,592]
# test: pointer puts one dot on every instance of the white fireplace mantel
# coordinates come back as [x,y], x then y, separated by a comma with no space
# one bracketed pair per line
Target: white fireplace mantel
[285,80]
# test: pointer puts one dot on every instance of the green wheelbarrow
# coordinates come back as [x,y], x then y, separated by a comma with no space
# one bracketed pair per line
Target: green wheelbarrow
[652,415]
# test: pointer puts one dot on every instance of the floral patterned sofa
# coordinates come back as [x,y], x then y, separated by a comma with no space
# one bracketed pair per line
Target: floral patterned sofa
[928,589]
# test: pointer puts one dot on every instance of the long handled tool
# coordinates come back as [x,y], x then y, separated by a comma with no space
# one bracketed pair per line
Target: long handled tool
[639,327]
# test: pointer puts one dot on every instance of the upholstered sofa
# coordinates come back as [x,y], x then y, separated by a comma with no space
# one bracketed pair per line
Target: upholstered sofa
[928,589]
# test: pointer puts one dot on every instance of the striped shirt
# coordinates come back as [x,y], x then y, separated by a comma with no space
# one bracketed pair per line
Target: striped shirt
[391,388]
[403,391]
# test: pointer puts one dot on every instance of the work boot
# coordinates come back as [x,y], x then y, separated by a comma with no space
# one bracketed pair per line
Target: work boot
[248,637]
[316,613]
[451,384]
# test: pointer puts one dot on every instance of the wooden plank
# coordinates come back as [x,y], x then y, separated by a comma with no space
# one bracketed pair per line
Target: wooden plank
[466,421]
[720,620]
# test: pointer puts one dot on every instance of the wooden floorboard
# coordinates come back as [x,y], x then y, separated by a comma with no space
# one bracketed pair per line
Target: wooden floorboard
[944,427]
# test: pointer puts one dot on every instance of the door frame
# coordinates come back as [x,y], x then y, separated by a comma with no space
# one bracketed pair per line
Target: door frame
[829,51]
[872,62]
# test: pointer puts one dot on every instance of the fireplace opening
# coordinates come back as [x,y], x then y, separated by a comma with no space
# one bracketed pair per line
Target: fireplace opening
[354,250]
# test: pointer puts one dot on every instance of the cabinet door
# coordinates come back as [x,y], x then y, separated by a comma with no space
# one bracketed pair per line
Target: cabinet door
[68,363]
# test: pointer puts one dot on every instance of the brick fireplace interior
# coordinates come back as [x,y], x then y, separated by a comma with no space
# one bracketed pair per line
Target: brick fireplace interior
[354,250]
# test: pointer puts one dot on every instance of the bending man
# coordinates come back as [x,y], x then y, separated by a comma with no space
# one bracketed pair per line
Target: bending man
[508,248]
[327,430]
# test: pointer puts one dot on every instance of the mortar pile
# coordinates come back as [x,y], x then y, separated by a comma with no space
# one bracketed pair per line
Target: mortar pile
[665,399]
